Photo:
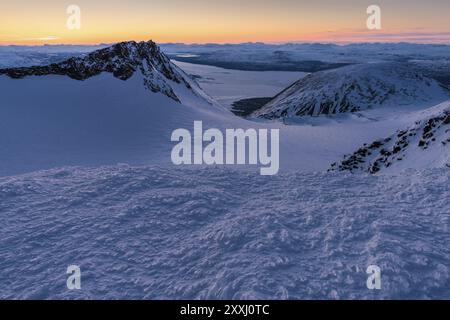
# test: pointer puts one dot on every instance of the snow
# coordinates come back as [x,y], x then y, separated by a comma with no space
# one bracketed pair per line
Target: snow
[227,86]
[56,121]
[423,144]
[53,121]
[355,88]
[142,228]
[155,233]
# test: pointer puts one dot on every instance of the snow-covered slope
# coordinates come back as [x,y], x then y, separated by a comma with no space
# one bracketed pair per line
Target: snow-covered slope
[51,120]
[354,88]
[158,233]
[425,144]
[118,104]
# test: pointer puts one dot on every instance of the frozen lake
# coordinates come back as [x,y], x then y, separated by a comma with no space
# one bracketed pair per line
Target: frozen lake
[227,86]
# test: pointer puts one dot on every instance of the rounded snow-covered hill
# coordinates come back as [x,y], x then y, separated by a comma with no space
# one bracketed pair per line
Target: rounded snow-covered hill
[354,88]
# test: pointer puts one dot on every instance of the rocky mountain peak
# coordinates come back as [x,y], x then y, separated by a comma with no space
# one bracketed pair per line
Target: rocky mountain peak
[123,60]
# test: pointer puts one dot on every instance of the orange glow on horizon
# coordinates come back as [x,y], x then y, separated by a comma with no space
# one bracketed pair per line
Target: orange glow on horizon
[234,21]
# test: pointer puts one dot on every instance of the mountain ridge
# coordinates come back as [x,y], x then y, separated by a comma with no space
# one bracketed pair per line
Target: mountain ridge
[122,60]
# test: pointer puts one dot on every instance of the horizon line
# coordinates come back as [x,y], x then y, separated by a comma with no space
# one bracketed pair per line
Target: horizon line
[337,43]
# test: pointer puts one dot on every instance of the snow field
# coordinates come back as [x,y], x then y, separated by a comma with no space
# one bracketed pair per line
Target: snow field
[155,232]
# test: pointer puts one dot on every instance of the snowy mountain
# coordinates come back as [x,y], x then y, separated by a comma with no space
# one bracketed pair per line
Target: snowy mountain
[139,227]
[122,60]
[118,104]
[354,88]
[425,144]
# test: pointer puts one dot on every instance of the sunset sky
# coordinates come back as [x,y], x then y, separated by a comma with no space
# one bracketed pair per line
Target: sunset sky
[230,21]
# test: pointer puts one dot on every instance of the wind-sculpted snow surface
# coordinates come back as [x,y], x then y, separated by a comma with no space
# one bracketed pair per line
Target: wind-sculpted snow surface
[353,89]
[220,234]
